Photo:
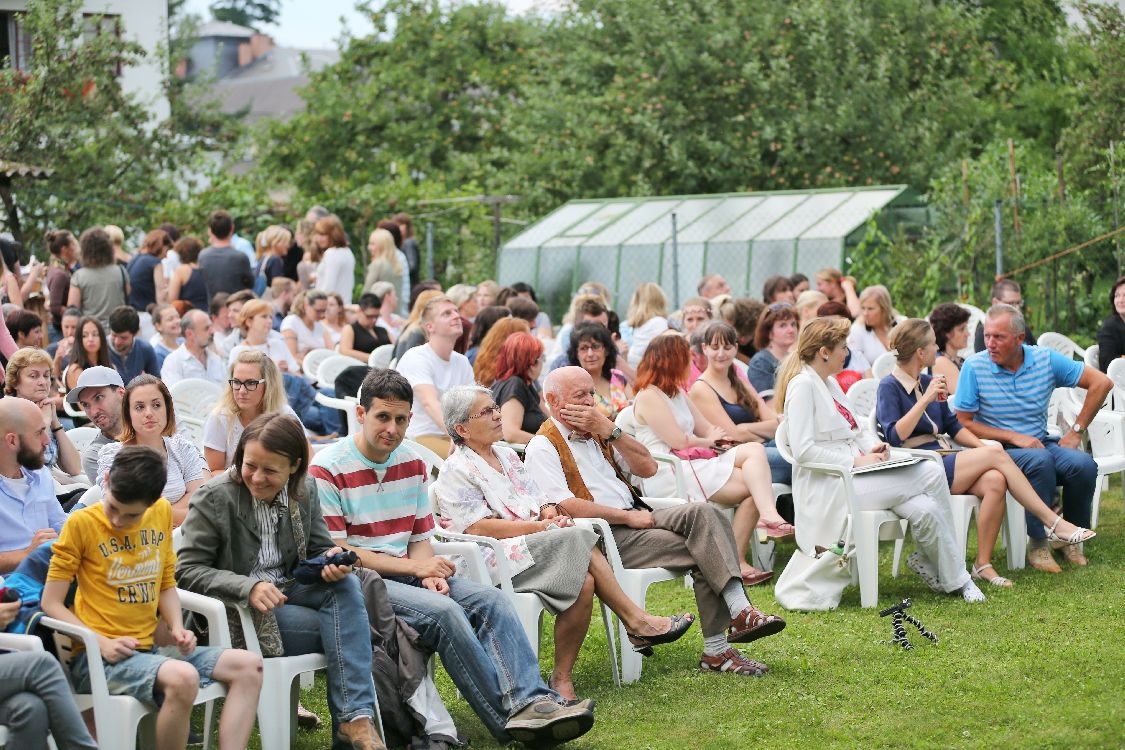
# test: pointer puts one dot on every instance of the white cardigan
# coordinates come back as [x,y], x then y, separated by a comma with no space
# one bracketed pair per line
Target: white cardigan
[819,434]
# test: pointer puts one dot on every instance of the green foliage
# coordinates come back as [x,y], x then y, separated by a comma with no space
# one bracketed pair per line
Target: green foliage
[252,13]
[67,111]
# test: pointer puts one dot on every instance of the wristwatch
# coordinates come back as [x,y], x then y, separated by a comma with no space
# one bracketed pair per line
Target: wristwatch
[1077,427]
[614,435]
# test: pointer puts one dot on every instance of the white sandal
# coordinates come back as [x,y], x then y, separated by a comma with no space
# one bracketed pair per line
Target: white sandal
[998,580]
[1080,534]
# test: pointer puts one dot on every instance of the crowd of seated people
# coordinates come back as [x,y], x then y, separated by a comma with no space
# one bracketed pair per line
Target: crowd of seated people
[102,339]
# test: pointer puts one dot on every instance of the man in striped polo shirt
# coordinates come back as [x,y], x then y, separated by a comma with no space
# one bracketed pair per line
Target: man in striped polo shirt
[374,500]
[1003,393]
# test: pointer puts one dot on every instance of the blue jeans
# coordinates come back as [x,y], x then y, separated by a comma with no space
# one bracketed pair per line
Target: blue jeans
[302,399]
[781,471]
[480,640]
[330,618]
[35,698]
[1051,466]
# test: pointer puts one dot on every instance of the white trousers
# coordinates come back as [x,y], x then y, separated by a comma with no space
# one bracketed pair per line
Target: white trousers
[920,494]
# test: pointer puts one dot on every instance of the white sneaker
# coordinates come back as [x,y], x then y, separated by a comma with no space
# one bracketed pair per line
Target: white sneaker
[972,594]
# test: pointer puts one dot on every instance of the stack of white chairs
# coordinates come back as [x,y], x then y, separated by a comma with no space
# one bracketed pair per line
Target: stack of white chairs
[1062,344]
[195,398]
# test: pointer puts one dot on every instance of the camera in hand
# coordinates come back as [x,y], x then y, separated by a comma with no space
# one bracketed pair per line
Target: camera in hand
[308,571]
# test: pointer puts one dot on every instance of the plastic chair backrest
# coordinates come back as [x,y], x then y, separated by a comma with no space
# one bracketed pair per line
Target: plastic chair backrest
[331,367]
[1061,344]
[882,366]
[381,357]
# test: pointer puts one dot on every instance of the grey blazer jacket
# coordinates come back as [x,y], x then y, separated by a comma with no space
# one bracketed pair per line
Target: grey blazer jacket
[222,539]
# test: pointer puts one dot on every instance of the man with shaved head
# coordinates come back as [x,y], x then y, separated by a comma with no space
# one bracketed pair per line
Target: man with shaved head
[194,358]
[30,513]
[580,460]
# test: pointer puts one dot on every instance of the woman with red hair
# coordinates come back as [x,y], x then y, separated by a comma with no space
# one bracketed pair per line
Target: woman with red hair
[719,469]
[515,390]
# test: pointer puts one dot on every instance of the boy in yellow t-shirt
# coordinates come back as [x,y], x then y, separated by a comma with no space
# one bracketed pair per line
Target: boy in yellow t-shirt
[120,550]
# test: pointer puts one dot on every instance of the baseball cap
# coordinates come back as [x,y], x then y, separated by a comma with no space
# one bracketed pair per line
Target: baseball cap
[94,377]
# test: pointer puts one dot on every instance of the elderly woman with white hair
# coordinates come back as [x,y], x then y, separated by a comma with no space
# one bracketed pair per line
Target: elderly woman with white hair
[484,489]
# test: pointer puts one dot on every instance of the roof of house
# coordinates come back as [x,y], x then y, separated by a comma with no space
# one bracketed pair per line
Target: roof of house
[224,29]
[268,86]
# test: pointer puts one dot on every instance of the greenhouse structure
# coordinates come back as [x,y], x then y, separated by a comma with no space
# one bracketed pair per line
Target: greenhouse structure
[676,240]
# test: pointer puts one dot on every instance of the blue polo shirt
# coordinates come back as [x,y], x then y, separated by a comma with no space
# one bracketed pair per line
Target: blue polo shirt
[1015,401]
[140,359]
[22,514]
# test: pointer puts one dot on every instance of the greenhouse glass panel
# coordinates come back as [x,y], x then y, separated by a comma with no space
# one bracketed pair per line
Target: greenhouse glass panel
[728,259]
[629,224]
[556,278]
[816,253]
[851,214]
[690,271]
[554,224]
[768,258]
[687,212]
[809,212]
[607,214]
[518,264]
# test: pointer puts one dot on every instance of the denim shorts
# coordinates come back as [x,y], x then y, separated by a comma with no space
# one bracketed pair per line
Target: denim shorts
[136,675]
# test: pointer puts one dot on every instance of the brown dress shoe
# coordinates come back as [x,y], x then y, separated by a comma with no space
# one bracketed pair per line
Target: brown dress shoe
[360,733]
[1042,560]
[1073,554]
[752,624]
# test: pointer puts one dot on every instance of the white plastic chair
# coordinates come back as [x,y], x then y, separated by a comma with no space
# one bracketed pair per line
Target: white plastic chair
[82,436]
[195,397]
[1062,344]
[119,717]
[381,356]
[868,527]
[346,405]
[331,367]
[1116,373]
[73,411]
[862,396]
[89,497]
[1107,446]
[976,319]
[1091,357]
[311,363]
[882,366]
[193,427]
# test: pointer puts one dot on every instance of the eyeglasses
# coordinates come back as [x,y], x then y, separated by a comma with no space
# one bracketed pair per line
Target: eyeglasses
[490,410]
[250,385]
[590,348]
[1018,304]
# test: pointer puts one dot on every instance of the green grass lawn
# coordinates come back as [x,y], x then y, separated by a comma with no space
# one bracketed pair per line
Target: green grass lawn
[1041,665]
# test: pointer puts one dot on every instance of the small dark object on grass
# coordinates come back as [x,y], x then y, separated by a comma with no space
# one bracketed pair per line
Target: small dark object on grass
[898,615]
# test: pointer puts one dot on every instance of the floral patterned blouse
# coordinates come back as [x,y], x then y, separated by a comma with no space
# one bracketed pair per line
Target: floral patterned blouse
[468,490]
[618,396]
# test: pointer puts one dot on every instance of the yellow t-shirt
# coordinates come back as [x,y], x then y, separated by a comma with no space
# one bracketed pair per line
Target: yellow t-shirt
[120,572]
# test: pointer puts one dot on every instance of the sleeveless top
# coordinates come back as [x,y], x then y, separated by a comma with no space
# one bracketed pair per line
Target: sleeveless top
[365,342]
[194,291]
[738,413]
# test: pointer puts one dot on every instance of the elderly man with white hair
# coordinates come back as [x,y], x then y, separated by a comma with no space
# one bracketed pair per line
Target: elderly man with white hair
[579,460]
[194,358]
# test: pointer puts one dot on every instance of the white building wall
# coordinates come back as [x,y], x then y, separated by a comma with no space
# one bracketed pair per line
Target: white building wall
[144,22]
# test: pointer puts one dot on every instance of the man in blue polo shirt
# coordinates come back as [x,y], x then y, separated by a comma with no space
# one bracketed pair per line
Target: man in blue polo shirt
[130,355]
[1003,393]
[29,512]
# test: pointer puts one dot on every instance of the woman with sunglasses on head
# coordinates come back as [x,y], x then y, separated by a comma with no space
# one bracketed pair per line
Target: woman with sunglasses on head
[302,328]
[254,388]
[515,390]
[148,418]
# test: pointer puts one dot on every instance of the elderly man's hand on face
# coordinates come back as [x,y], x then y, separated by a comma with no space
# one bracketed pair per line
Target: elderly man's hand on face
[586,418]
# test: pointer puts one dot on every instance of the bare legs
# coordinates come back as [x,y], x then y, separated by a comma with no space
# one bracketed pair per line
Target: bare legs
[749,481]
[571,625]
[989,473]
[179,682]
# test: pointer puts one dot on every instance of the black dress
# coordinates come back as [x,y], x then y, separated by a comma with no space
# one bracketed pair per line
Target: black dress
[527,394]
[1111,340]
[365,342]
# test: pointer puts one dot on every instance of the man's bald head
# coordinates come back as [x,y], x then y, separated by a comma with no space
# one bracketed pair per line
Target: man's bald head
[564,379]
[18,415]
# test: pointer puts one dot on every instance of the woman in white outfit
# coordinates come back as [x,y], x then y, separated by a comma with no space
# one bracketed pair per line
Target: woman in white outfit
[822,428]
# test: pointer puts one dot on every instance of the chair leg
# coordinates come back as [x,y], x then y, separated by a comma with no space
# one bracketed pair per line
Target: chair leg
[867,561]
[611,643]
[1016,523]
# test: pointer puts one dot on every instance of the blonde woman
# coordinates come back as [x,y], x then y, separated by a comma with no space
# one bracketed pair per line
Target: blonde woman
[28,376]
[871,332]
[335,318]
[808,302]
[253,388]
[648,317]
[117,237]
[387,264]
[336,271]
[302,328]
[271,245]
[823,428]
